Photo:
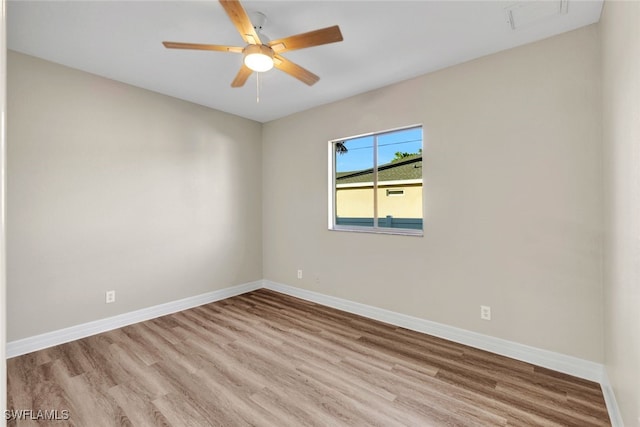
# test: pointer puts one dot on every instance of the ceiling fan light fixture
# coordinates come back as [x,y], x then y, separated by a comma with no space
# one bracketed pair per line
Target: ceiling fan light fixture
[258,58]
[260,54]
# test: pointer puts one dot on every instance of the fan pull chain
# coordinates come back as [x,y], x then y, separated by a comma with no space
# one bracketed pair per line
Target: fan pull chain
[257,87]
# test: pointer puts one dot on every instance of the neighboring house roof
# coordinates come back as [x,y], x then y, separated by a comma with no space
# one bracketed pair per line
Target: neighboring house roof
[407,168]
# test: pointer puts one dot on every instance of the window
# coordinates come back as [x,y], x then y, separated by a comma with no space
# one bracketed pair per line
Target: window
[376,182]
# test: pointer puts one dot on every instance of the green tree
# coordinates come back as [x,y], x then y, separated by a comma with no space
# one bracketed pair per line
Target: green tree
[399,155]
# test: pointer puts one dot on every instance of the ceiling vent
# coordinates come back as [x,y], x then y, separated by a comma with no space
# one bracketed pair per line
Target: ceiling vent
[526,13]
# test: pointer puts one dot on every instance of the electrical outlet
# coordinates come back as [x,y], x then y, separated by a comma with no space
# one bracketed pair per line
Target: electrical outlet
[485,312]
[110,297]
[299,274]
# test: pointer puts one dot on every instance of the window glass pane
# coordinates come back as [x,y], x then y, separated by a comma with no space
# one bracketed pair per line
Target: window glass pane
[400,179]
[354,202]
[378,182]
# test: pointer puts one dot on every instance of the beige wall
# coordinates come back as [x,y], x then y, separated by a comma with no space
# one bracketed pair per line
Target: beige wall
[115,187]
[621,134]
[512,198]
[357,202]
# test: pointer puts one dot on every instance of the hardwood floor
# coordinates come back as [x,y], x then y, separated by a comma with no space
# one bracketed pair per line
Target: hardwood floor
[267,359]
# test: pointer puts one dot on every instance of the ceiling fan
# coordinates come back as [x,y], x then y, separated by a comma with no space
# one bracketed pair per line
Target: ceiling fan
[260,56]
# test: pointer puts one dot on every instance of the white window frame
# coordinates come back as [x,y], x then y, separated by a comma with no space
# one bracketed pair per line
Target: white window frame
[332,188]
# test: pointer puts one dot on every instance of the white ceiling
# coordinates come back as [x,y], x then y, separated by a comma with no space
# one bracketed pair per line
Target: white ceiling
[384,42]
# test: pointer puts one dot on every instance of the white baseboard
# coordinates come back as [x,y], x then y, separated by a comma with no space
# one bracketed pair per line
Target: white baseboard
[61,336]
[558,362]
[610,400]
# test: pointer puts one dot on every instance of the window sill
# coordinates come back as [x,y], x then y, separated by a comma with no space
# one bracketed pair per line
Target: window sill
[380,230]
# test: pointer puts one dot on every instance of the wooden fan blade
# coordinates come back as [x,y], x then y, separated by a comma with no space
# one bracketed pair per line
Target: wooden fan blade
[241,20]
[242,76]
[312,38]
[197,46]
[295,70]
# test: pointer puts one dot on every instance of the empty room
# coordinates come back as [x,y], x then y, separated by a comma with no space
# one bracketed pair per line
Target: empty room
[287,213]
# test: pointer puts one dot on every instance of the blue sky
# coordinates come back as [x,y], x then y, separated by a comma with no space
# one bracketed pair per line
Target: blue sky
[360,154]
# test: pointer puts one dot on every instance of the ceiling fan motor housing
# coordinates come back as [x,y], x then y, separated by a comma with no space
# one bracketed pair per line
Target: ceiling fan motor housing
[258,19]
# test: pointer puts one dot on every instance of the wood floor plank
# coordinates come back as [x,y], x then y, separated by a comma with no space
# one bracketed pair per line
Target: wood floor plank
[179,412]
[268,359]
[138,405]
[368,398]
